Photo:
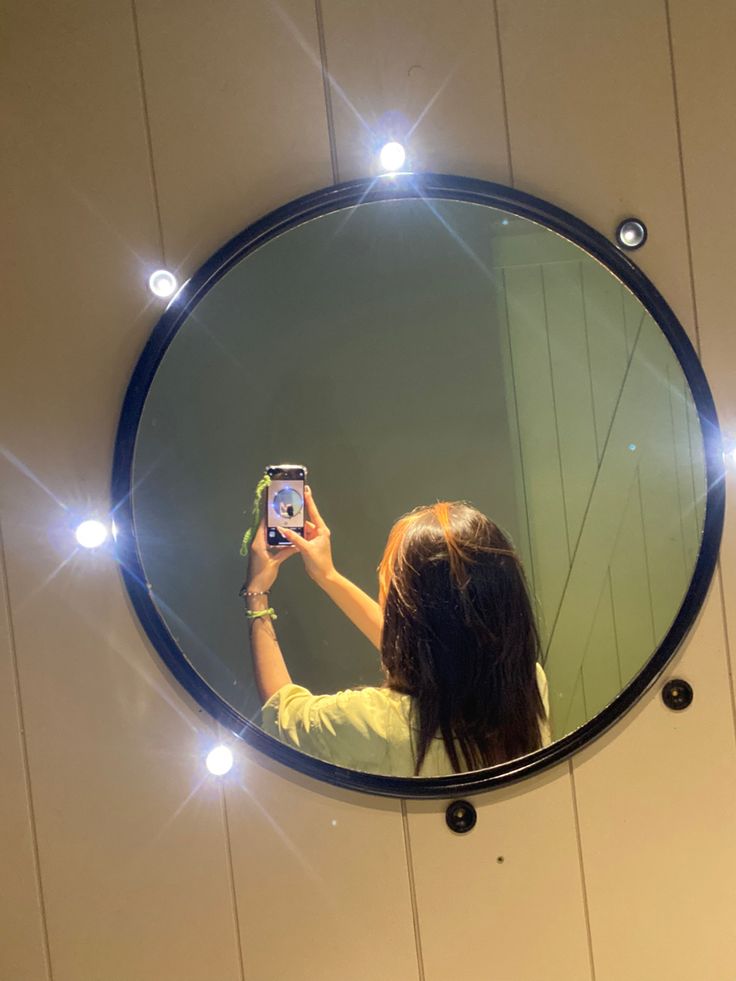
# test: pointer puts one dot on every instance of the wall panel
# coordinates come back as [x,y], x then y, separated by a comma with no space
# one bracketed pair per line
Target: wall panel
[132,850]
[130,831]
[657,803]
[569,362]
[321,879]
[705,74]
[534,391]
[591,122]
[423,70]
[23,954]
[505,900]
[573,122]
[236,111]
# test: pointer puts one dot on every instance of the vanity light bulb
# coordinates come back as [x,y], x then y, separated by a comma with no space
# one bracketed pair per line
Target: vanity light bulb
[162,283]
[219,760]
[91,534]
[392,157]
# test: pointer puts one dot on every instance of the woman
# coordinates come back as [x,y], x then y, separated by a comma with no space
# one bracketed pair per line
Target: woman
[459,650]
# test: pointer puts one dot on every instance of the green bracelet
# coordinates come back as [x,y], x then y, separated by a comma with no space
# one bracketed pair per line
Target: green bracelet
[255,614]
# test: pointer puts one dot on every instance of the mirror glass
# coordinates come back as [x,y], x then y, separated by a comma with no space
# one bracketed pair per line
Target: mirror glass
[408,351]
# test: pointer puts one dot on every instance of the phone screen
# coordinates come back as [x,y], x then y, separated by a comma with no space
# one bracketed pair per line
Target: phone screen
[285,502]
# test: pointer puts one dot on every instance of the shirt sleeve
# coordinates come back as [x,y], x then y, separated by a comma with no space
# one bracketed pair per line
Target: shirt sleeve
[349,728]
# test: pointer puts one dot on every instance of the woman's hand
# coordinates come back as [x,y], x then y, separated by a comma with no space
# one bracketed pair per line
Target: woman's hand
[315,547]
[263,567]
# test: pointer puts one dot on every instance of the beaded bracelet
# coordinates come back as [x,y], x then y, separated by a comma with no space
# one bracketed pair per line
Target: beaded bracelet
[243,591]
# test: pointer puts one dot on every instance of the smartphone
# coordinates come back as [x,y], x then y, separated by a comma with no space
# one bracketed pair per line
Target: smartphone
[284,502]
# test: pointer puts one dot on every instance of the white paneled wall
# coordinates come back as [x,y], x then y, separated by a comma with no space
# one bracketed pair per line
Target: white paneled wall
[149,132]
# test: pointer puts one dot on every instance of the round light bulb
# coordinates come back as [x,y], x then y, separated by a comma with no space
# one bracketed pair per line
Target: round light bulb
[219,760]
[91,533]
[162,283]
[392,157]
[632,233]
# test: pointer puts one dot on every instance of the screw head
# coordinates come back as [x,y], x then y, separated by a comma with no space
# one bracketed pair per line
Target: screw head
[631,234]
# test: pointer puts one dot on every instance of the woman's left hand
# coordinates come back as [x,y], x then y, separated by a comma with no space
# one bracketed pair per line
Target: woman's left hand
[264,564]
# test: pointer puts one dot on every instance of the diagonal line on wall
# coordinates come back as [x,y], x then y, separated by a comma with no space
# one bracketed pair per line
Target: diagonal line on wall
[729,663]
[595,479]
[328,91]
[233,892]
[149,139]
[683,185]
[503,94]
[26,768]
[412,890]
[581,862]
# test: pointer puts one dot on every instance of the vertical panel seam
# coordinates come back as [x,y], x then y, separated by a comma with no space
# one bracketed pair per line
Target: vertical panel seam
[586,649]
[622,293]
[518,429]
[685,394]
[595,479]
[233,893]
[581,866]
[683,184]
[614,414]
[590,365]
[589,638]
[149,138]
[412,890]
[504,104]
[691,265]
[554,410]
[629,497]
[327,90]
[646,555]
[613,616]
[26,768]
[582,692]
[681,505]
[729,662]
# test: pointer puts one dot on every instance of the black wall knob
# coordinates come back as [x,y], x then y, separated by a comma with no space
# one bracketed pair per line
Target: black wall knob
[677,694]
[461,817]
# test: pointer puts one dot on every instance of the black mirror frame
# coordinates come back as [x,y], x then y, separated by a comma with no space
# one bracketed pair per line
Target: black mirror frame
[334,198]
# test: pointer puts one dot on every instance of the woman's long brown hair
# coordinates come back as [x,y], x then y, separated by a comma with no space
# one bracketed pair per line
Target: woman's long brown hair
[459,636]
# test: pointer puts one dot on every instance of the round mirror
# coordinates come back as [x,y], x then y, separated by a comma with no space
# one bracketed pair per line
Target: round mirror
[410,340]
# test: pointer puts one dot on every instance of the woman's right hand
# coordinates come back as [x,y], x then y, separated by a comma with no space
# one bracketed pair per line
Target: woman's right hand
[315,547]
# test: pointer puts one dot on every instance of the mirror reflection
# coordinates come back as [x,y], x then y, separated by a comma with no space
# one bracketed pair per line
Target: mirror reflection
[411,352]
